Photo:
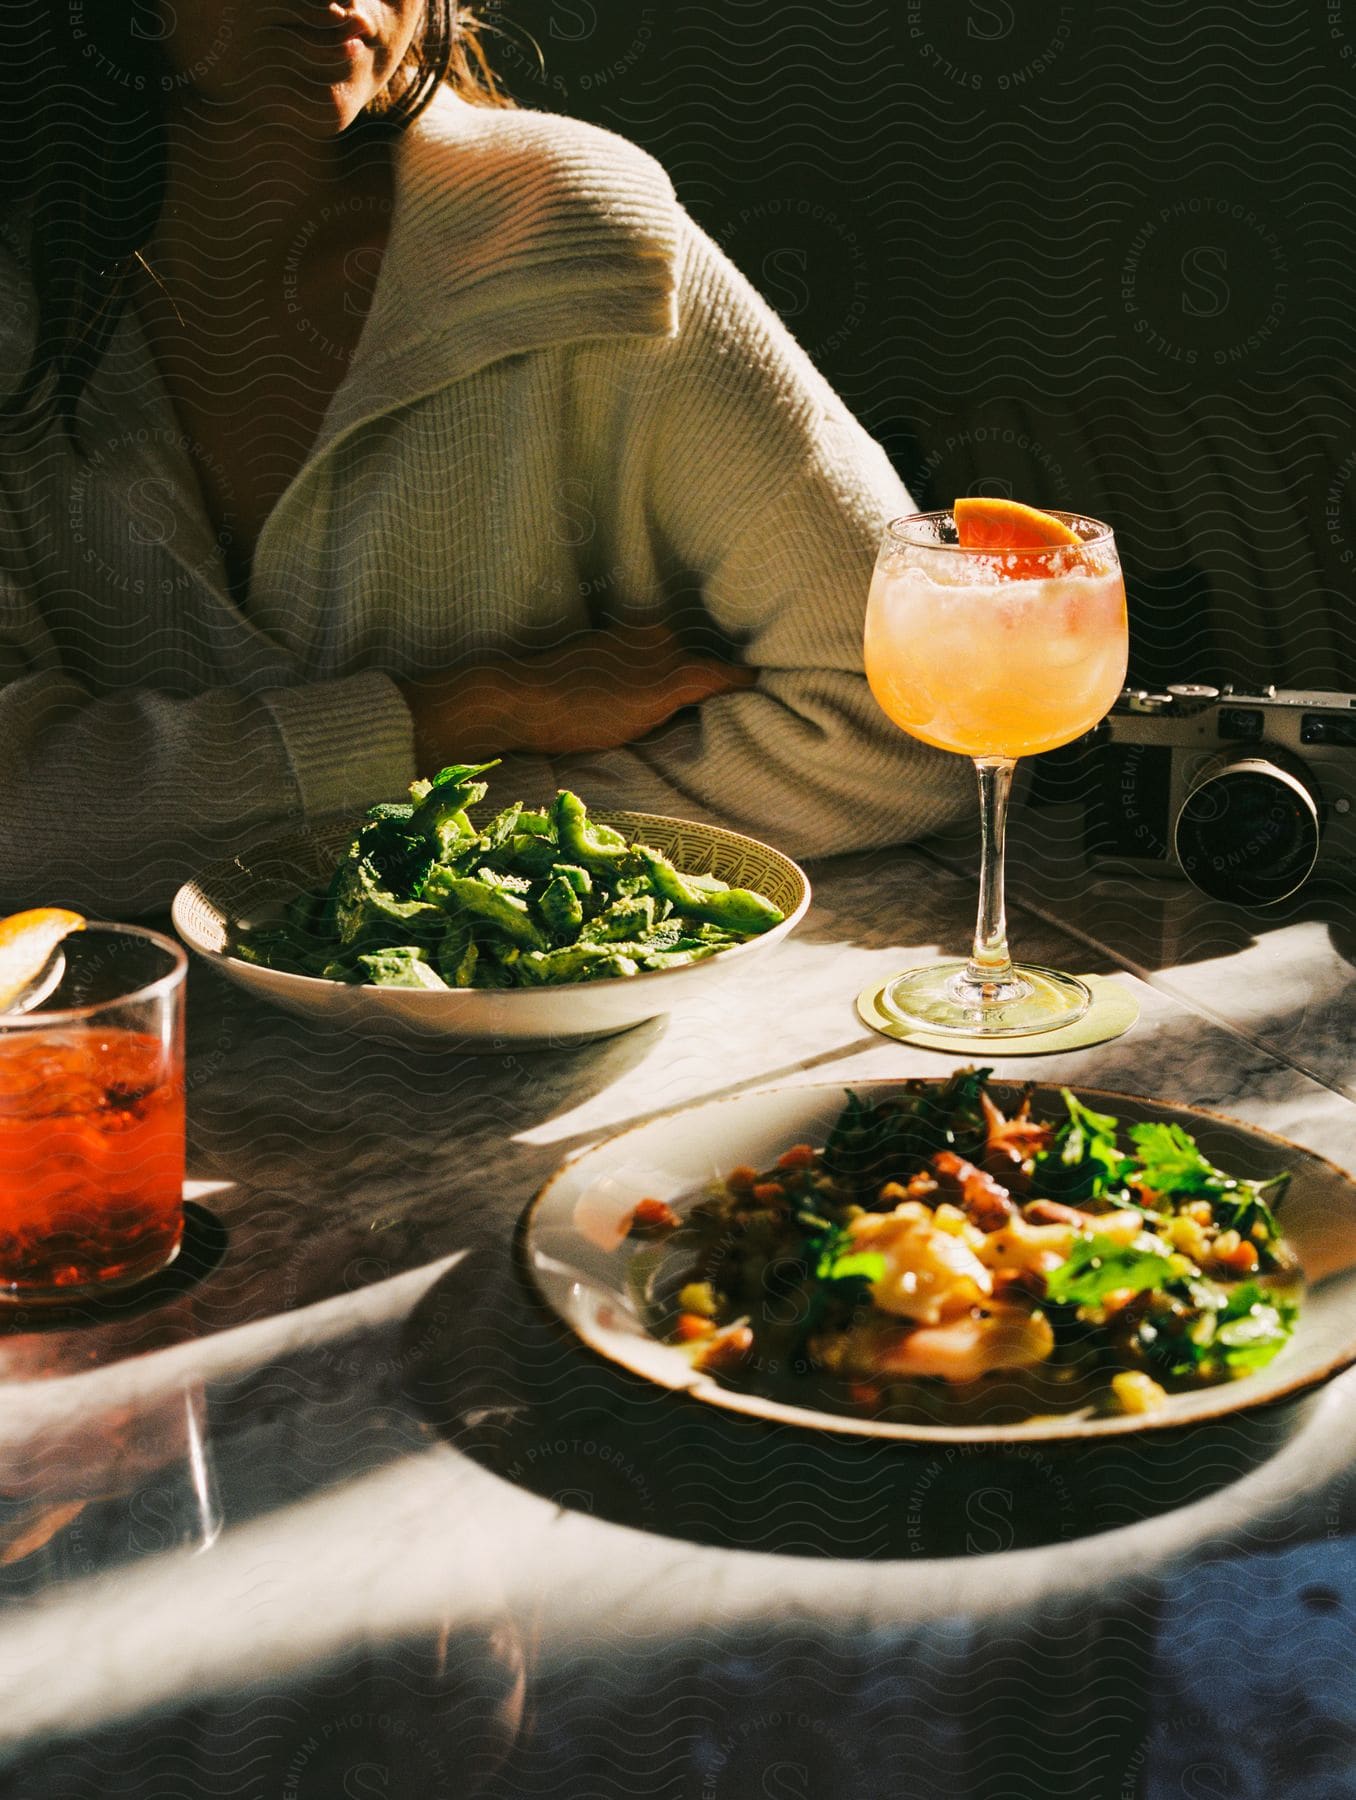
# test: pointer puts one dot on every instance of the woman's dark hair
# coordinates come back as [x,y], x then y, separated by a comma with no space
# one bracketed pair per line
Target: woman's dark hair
[84,90]
[449,49]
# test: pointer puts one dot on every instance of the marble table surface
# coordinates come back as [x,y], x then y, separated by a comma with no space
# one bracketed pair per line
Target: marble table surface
[335,1510]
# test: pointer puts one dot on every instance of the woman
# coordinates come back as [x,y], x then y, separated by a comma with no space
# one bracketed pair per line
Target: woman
[362,423]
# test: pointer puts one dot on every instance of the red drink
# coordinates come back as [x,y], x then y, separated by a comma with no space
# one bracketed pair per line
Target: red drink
[91,1158]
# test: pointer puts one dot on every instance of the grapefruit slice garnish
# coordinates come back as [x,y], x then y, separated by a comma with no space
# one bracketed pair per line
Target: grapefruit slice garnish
[27,940]
[985,523]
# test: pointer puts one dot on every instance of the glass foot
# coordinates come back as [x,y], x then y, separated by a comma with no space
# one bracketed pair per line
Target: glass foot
[941,999]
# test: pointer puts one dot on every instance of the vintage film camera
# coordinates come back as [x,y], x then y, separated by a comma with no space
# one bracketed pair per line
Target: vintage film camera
[1246,794]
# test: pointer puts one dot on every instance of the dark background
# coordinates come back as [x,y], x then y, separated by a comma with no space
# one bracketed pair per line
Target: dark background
[1094,254]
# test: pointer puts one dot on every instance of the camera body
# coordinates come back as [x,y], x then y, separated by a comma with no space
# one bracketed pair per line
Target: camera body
[1246,794]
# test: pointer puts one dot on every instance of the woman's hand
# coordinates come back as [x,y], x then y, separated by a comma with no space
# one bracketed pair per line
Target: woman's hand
[599,690]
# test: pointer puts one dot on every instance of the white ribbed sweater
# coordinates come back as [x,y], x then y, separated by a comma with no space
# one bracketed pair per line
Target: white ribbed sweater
[565,406]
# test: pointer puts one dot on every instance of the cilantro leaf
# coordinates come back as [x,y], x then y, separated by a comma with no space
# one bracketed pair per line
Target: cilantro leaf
[1254,1326]
[947,1118]
[842,1275]
[869,1265]
[854,1141]
[1098,1266]
[1254,1207]
[1171,1162]
[1083,1162]
[828,1250]
[1243,1331]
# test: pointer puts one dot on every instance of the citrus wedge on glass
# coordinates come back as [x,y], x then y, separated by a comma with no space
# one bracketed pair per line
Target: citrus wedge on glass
[27,942]
[1021,537]
[986,523]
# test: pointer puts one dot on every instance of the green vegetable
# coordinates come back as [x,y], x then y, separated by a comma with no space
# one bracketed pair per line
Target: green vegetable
[359,901]
[1231,1334]
[423,898]
[838,1277]
[559,908]
[1084,1162]
[397,855]
[736,909]
[281,947]
[1171,1162]
[457,955]
[633,916]
[867,1264]
[532,854]
[502,828]
[871,1142]
[677,958]
[510,883]
[457,779]
[599,848]
[579,879]
[576,962]
[1098,1266]
[440,814]
[403,967]
[1254,1326]
[507,912]
[1251,1207]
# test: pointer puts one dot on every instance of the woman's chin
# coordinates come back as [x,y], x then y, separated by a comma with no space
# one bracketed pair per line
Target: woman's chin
[317,112]
[304,103]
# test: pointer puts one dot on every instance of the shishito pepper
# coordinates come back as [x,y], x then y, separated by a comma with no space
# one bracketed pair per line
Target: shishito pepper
[734,909]
[424,896]
[598,848]
[496,906]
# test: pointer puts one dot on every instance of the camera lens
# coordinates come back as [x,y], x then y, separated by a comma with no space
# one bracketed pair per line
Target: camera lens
[1249,830]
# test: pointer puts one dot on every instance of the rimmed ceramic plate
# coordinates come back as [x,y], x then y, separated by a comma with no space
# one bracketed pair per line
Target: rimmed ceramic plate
[594,1277]
[242,891]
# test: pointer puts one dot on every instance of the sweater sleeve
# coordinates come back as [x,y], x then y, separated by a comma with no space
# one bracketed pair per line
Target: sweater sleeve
[109,802]
[759,496]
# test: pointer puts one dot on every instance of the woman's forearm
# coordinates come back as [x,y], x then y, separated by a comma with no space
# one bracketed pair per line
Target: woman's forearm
[596,691]
[109,803]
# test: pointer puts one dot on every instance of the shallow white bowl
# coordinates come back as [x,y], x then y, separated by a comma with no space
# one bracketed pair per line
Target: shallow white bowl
[580,1259]
[252,889]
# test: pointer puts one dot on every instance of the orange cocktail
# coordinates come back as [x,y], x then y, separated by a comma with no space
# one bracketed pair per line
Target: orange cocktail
[994,631]
[1008,669]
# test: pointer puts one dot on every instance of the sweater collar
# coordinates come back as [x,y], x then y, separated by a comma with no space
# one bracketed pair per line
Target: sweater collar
[512,231]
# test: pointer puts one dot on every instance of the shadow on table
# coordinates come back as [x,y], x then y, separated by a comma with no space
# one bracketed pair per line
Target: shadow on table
[136,1437]
[431,1716]
[1157,921]
[915,895]
[278,1099]
[1343,940]
[511,1391]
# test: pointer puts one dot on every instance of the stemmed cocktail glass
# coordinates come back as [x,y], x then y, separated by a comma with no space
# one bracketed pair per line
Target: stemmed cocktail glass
[994,651]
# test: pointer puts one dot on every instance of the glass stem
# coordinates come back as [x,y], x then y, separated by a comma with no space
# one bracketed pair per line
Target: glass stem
[990,966]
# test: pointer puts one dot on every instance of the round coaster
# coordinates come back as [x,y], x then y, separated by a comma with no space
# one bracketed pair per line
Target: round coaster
[1114,1010]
